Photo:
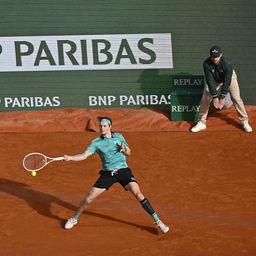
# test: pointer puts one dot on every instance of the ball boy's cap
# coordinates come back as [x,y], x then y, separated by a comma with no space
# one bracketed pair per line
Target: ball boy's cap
[215,51]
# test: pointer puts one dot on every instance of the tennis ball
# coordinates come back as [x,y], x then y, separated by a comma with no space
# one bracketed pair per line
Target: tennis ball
[33,173]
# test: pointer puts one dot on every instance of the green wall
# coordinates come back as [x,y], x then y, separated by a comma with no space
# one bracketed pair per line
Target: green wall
[194,26]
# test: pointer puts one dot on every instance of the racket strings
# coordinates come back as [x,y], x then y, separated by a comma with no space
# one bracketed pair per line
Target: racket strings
[34,162]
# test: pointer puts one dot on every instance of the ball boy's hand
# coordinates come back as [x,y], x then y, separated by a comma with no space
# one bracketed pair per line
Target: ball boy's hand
[221,103]
[216,102]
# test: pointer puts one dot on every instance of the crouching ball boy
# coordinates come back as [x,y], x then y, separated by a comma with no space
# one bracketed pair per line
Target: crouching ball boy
[112,149]
[220,79]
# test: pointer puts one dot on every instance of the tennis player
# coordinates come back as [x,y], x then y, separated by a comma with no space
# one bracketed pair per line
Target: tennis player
[112,149]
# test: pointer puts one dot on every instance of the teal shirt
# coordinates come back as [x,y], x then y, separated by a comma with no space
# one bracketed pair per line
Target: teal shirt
[109,151]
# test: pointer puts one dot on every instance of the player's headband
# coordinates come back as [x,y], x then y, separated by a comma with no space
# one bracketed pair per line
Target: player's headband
[105,120]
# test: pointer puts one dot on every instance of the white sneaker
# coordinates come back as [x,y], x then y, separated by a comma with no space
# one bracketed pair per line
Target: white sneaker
[198,127]
[162,227]
[247,127]
[70,223]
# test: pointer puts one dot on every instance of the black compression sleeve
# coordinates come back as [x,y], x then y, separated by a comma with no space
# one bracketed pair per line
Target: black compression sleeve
[147,206]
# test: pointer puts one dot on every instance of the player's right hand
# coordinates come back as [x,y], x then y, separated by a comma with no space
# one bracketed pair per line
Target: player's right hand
[66,158]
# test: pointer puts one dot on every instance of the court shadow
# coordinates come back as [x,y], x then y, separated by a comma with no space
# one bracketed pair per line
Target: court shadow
[226,118]
[100,215]
[38,201]
[41,203]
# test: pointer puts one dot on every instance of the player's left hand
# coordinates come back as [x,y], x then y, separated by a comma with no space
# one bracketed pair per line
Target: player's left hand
[122,148]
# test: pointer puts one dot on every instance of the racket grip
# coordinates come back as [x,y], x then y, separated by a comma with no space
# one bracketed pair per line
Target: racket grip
[59,158]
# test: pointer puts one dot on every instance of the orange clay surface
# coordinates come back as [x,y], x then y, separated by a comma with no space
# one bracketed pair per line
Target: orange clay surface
[203,185]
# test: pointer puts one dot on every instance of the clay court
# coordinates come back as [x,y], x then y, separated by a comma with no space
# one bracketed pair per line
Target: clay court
[202,185]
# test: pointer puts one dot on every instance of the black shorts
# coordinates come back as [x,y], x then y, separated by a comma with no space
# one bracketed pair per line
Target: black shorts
[107,178]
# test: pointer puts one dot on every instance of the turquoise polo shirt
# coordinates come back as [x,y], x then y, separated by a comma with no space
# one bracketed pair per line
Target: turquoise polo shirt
[109,151]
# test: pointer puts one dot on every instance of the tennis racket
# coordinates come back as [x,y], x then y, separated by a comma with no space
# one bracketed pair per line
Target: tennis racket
[36,161]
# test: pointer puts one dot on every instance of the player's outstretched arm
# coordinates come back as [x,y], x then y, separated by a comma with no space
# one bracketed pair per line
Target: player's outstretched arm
[78,157]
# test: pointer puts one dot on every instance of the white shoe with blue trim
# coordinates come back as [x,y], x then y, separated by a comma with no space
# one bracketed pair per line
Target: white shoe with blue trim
[71,223]
[162,227]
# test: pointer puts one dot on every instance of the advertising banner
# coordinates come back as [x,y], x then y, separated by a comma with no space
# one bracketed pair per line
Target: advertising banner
[86,52]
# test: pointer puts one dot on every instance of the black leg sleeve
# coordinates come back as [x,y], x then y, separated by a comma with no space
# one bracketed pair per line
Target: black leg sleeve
[147,206]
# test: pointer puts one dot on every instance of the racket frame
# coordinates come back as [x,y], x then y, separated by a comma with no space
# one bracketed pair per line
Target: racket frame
[47,160]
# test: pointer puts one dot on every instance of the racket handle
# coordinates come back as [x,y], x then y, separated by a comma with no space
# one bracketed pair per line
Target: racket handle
[59,158]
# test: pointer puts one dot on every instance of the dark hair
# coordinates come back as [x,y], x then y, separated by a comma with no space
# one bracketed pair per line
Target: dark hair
[104,117]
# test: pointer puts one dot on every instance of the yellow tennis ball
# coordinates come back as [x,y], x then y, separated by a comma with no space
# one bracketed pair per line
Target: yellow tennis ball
[33,173]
